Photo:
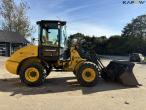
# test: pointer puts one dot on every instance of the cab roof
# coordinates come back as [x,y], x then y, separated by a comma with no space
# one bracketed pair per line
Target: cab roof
[51,21]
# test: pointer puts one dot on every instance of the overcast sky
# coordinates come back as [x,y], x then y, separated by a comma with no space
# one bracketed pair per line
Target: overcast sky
[91,17]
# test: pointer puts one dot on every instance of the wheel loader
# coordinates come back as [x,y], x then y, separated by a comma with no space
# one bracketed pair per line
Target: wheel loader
[34,63]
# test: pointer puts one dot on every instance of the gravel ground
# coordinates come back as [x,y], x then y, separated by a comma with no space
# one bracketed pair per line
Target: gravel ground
[62,92]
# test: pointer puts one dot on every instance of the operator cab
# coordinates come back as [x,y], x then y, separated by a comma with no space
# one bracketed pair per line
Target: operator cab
[52,37]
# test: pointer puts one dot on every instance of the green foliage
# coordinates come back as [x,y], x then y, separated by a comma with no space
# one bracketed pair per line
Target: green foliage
[77,36]
[115,45]
[136,29]
[135,35]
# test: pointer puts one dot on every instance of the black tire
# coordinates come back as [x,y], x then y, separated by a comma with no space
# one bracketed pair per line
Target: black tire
[41,70]
[79,73]
[104,74]
[48,71]
[74,73]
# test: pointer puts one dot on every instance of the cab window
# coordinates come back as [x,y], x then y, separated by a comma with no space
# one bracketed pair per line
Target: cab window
[50,37]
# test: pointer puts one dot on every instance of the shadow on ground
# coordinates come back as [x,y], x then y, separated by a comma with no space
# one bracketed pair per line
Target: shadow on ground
[55,85]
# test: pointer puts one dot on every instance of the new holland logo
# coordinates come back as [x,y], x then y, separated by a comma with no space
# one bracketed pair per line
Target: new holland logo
[134,2]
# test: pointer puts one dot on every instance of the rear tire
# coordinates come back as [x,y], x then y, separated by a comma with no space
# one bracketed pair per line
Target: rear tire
[87,74]
[32,74]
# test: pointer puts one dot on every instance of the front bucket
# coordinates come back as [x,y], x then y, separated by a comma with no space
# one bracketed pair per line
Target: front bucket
[120,71]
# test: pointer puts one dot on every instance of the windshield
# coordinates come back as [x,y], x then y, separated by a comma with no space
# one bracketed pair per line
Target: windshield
[53,34]
[63,36]
[50,37]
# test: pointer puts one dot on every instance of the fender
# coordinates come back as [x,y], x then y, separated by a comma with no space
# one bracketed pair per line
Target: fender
[26,52]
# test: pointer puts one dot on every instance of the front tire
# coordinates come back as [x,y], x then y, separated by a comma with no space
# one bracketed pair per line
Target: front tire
[32,74]
[87,74]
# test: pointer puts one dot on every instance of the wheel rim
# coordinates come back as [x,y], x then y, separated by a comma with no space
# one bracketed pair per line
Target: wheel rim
[88,74]
[32,74]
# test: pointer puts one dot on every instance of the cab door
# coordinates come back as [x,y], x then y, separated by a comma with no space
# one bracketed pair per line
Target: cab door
[49,48]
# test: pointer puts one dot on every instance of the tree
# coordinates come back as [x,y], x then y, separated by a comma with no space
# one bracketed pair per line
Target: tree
[116,45]
[77,36]
[14,17]
[135,35]
[136,29]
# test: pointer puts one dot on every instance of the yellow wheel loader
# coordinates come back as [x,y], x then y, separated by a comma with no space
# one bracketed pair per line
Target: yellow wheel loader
[34,63]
